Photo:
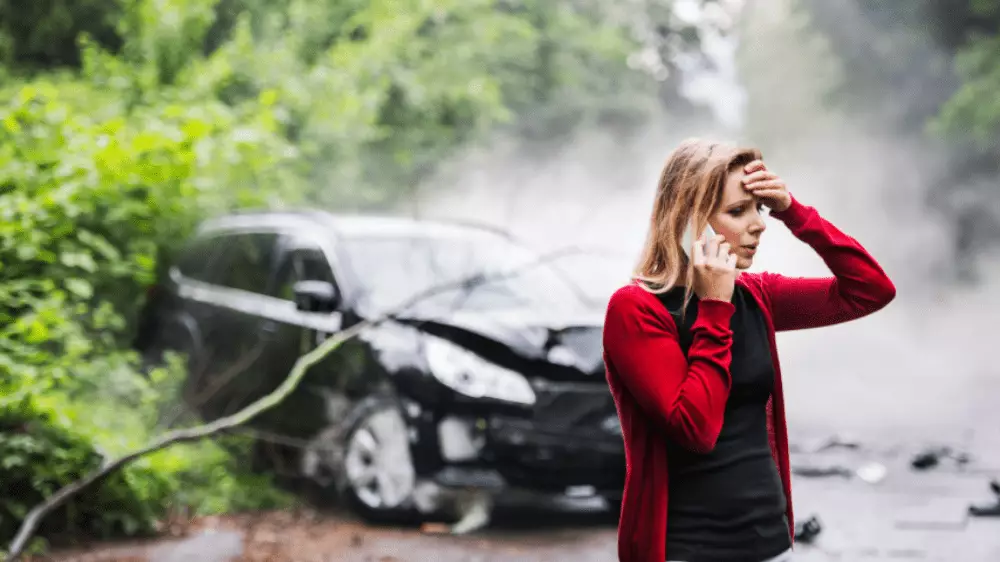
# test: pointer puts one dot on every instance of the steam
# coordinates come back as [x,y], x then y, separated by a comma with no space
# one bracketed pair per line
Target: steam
[920,369]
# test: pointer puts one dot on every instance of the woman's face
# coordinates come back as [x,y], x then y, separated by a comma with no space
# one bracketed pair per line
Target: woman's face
[740,219]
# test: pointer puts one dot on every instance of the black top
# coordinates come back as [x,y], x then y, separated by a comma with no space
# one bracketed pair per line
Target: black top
[729,504]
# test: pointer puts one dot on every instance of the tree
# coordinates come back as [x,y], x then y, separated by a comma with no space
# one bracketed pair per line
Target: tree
[928,69]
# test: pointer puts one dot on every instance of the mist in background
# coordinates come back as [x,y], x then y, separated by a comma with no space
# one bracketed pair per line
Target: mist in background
[921,369]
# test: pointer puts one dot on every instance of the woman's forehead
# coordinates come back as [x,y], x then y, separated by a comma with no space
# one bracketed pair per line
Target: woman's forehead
[734,191]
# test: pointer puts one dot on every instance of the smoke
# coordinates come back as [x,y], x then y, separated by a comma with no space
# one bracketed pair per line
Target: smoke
[920,369]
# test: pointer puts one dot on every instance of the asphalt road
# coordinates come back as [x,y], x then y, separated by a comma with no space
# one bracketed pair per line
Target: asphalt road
[908,515]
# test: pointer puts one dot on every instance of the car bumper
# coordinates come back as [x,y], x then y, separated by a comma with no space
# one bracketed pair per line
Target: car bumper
[568,443]
[553,458]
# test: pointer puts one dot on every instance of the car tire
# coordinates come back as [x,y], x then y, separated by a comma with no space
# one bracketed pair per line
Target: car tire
[364,462]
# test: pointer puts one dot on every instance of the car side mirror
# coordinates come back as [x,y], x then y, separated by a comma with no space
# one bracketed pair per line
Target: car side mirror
[315,296]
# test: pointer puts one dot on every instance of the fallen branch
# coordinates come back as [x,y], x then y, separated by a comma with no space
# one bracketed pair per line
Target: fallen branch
[299,369]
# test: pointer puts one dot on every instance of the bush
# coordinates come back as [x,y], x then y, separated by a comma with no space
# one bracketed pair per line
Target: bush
[51,440]
[91,194]
[38,456]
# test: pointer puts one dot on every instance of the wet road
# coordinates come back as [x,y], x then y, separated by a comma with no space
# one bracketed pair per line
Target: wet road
[908,515]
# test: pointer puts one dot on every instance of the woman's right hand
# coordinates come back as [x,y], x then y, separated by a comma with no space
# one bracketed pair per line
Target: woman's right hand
[714,269]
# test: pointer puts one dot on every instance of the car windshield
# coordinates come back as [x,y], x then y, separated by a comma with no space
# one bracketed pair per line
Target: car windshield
[393,268]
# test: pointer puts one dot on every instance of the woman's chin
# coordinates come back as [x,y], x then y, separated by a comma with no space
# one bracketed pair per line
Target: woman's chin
[743,263]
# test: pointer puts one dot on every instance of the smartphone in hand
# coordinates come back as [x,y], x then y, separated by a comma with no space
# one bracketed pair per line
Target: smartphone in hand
[689,237]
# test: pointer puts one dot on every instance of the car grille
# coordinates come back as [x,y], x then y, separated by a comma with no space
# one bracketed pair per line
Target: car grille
[575,407]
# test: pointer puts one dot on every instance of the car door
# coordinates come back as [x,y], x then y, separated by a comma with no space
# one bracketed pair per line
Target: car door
[294,331]
[175,314]
[233,319]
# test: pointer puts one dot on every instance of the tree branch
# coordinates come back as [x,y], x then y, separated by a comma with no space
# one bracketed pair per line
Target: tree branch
[299,369]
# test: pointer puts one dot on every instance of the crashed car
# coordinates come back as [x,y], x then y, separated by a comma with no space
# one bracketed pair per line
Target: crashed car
[493,384]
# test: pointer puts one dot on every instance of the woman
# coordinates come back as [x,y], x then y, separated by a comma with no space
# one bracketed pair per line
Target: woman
[691,360]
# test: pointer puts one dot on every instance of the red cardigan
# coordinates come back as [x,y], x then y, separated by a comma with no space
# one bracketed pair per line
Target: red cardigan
[661,394]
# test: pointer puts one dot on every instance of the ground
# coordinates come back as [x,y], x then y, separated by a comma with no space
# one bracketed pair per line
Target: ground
[908,515]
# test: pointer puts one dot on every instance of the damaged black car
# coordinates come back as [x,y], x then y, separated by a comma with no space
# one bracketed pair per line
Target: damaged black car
[493,386]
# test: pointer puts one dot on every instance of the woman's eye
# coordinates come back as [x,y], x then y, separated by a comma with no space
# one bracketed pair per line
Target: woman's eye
[761,208]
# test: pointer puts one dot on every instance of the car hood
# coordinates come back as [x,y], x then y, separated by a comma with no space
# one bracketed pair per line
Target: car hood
[567,339]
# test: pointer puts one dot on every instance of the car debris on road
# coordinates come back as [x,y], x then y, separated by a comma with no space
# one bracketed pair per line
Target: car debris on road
[988,510]
[806,531]
[933,456]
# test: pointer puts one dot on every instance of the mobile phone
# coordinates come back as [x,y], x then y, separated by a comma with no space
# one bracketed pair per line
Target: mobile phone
[689,238]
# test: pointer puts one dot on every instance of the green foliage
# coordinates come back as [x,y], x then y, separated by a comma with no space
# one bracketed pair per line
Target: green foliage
[911,64]
[974,109]
[94,188]
[88,199]
[928,70]
[375,92]
[42,33]
[51,440]
[39,456]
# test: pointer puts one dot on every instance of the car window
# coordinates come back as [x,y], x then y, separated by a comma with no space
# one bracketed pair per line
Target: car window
[246,261]
[302,260]
[198,256]
[392,269]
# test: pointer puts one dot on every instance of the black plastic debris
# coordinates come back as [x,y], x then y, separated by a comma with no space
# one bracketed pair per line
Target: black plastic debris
[926,459]
[807,531]
[933,456]
[838,442]
[872,472]
[822,470]
[835,441]
[985,510]
[990,509]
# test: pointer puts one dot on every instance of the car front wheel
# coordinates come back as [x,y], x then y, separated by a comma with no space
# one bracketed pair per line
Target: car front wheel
[367,460]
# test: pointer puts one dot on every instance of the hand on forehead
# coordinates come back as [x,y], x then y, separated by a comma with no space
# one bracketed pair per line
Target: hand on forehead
[754,166]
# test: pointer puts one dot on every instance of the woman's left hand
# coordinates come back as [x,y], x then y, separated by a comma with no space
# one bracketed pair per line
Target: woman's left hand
[767,186]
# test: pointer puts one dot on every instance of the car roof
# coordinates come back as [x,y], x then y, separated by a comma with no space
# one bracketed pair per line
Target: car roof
[349,225]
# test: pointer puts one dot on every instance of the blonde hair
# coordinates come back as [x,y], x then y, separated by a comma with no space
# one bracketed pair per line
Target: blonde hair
[690,188]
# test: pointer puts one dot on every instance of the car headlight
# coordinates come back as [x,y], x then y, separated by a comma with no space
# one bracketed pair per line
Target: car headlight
[471,375]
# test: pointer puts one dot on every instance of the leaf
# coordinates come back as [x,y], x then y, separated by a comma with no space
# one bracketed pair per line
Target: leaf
[100,244]
[80,288]
[11,125]
[79,260]
[38,332]
[12,461]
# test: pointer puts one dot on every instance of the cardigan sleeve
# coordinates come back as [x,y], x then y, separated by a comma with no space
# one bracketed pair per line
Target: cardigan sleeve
[684,397]
[858,286]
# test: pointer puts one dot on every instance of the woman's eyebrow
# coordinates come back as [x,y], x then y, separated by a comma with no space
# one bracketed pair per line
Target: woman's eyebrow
[743,201]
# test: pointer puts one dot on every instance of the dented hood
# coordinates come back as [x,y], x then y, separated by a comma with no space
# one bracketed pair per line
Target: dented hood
[572,340]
